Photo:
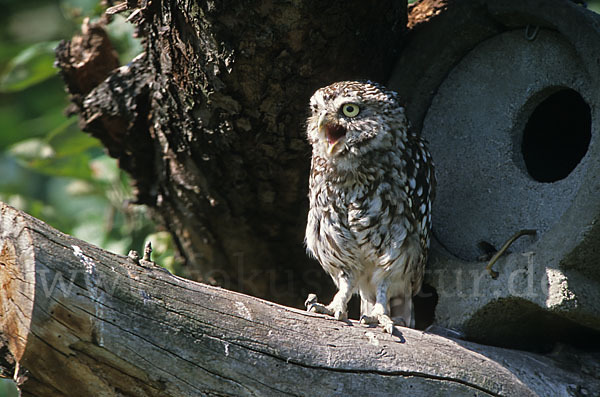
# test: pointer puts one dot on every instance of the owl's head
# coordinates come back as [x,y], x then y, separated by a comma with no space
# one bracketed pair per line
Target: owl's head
[351,118]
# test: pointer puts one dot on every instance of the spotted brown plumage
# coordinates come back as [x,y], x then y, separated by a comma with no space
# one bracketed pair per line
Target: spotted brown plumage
[371,187]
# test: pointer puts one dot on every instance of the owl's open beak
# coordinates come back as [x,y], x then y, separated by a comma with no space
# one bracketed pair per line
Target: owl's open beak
[333,132]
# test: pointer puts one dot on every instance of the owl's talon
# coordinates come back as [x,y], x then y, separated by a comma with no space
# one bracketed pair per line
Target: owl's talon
[310,301]
[364,319]
[389,328]
[340,315]
[320,308]
[382,320]
[313,306]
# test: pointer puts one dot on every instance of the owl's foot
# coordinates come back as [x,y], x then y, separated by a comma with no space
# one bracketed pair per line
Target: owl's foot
[313,306]
[383,320]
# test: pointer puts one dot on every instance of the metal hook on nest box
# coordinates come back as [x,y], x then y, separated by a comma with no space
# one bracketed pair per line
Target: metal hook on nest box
[531,35]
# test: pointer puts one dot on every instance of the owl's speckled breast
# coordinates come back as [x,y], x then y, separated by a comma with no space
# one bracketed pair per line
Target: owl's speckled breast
[357,219]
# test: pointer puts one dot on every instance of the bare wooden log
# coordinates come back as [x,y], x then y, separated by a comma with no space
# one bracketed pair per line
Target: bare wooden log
[78,320]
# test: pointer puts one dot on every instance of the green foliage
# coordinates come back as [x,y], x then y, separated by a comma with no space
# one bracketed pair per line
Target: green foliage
[65,151]
[48,167]
[8,388]
[121,36]
[29,67]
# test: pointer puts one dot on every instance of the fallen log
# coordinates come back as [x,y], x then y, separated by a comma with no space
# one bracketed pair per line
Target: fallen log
[77,320]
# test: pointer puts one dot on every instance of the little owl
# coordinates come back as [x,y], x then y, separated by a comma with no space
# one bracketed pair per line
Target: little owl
[371,187]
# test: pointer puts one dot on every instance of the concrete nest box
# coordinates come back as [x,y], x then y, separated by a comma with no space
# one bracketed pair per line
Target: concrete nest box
[508,96]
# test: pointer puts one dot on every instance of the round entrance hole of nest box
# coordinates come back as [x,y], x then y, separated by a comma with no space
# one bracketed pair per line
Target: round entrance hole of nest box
[508,130]
[557,136]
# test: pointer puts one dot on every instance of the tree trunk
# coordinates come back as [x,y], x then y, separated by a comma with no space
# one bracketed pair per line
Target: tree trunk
[209,121]
[80,321]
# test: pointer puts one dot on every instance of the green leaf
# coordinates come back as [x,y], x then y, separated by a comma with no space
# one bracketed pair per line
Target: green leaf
[32,149]
[68,140]
[81,8]
[31,66]
[122,36]
[66,153]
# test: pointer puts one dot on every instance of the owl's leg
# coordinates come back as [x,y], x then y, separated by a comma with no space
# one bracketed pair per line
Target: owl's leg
[338,306]
[402,311]
[380,314]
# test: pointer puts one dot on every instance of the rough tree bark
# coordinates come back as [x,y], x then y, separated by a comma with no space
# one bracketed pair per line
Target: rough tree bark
[209,122]
[80,321]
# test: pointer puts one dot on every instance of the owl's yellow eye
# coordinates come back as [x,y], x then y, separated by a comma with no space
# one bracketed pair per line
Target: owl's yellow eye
[350,109]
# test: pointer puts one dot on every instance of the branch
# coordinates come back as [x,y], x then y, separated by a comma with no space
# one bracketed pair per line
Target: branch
[78,320]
